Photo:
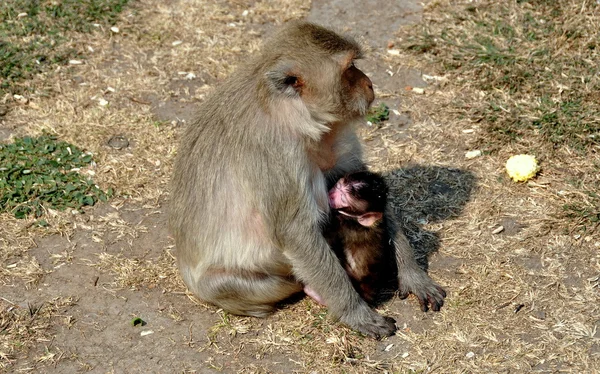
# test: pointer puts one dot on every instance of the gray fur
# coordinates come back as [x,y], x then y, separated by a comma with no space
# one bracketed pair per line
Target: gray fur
[248,202]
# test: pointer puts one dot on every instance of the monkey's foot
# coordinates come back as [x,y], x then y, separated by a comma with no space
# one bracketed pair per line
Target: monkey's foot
[429,293]
[370,323]
[313,295]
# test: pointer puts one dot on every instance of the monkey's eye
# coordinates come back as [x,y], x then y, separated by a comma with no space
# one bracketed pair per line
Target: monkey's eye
[290,80]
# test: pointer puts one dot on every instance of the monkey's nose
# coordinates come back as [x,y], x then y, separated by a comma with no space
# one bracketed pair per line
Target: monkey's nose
[331,199]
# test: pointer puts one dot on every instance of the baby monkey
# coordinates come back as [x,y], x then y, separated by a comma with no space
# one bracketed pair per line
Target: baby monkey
[357,233]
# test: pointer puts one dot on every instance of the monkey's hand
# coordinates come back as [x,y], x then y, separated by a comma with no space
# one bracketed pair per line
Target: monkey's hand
[417,282]
[368,322]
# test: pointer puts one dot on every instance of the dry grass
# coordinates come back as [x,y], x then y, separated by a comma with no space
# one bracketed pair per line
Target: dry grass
[529,77]
[31,325]
[523,300]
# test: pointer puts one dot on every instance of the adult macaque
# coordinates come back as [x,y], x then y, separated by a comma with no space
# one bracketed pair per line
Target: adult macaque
[251,181]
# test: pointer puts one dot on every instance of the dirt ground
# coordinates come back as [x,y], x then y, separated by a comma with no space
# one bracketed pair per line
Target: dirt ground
[523,299]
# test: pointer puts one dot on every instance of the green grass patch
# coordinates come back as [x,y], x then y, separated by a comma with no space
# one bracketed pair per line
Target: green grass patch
[378,114]
[33,34]
[43,172]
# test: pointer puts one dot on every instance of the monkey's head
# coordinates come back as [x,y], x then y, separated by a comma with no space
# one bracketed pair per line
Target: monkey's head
[361,196]
[315,66]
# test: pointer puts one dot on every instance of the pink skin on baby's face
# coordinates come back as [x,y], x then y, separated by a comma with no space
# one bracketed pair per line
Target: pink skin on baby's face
[341,198]
[338,195]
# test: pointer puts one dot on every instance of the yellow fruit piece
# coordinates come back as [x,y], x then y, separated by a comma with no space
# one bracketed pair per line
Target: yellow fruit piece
[521,167]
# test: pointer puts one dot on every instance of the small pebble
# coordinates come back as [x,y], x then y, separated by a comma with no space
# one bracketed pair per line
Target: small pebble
[472,154]
[118,142]
[539,314]
[498,230]
[20,99]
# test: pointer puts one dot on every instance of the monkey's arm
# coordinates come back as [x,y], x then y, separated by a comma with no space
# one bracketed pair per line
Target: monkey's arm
[298,234]
[411,278]
[317,266]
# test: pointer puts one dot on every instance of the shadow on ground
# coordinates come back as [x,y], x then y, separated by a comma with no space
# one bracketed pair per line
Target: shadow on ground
[428,194]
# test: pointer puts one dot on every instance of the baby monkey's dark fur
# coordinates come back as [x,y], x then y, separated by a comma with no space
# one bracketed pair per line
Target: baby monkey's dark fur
[358,234]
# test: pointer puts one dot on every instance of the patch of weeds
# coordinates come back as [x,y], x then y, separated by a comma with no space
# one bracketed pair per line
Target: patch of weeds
[378,114]
[585,209]
[33,34]
[40,172]
[583,212]
[528,73]
[535,61]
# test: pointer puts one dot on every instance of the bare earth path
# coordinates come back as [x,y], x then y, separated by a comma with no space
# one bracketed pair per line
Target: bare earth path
[523,300]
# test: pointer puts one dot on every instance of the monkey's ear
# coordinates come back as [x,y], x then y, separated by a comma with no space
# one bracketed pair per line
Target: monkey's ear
[345,59]
[370,219]
[284,78]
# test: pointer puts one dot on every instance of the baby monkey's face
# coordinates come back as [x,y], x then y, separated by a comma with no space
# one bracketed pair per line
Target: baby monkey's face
[358,194]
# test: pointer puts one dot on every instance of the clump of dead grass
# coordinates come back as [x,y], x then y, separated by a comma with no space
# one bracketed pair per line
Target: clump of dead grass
[26,326]
[134,273]
[303,335]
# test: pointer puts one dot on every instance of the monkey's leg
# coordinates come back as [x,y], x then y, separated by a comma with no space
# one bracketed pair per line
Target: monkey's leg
[411,278]
[245,292]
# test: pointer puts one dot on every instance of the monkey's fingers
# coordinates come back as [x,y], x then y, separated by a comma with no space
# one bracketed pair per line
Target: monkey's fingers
[429,294]
[403,294]
[435,305]
[372,324]
[442,292]
[389,328]
[424,303]
[436,301]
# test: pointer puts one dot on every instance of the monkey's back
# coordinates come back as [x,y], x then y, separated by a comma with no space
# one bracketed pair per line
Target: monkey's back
[226,201]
